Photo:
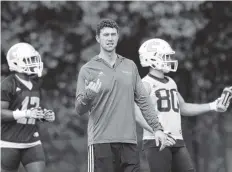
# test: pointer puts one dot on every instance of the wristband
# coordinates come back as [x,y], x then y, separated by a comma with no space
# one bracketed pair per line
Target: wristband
[19,114]
[212,106]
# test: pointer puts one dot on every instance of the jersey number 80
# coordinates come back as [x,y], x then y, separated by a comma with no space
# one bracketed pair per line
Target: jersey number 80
[167,100]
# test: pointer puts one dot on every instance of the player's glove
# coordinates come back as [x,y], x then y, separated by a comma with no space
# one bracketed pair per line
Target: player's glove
[222,103]
[215,106]
[226,97]
[36,113]
[49,115]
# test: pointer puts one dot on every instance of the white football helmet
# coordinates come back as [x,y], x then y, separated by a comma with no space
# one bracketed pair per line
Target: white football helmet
[23,58]
[156,53]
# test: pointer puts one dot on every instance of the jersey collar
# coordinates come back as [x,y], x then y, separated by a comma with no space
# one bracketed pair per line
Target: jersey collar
[27,84]
[163,80]
[117,62]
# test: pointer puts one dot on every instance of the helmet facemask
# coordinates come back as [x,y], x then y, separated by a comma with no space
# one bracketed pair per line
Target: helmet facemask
[163,62]
[33,65]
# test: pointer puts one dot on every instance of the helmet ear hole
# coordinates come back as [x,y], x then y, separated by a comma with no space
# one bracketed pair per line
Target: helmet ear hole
[153,66]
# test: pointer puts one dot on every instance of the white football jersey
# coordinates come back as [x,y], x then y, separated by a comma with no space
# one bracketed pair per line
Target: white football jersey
[164,96]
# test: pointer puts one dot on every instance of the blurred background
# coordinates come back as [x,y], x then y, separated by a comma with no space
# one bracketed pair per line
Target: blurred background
[64,33]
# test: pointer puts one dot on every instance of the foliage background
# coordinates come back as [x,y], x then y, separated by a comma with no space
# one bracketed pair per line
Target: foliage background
[64,34]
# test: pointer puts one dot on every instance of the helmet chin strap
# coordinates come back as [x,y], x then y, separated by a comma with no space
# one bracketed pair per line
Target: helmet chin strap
[33,76]
[38,72]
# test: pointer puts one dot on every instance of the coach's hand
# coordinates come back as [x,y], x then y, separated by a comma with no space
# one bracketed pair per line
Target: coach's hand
[92,88]
[160,137]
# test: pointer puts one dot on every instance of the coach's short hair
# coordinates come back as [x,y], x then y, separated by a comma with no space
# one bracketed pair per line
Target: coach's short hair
[106,23]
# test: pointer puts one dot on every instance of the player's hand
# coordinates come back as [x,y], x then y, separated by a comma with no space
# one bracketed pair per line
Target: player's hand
[36,113]
[49,115]
[225,97]
[219,105]
[92,87]
[170,140]
[215,106]
[160,137]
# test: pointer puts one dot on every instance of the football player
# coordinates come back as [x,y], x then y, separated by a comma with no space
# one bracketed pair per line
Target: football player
[20,111]
[170,105]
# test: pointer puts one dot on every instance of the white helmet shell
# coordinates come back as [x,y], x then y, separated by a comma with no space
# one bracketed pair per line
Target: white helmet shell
[156,53]
[23,58]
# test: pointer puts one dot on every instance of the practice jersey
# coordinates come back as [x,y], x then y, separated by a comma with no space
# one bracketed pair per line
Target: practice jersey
[23,132]
[164,95]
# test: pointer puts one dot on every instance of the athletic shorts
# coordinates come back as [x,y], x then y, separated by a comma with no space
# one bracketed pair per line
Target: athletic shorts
[11,157]
[175,159]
